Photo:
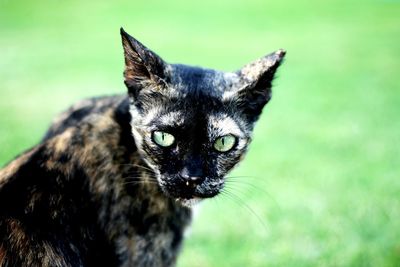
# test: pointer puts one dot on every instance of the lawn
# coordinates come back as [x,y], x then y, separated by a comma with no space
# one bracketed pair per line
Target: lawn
[320,185]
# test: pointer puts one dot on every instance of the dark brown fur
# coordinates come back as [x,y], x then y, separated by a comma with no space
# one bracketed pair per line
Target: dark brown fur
[68,202]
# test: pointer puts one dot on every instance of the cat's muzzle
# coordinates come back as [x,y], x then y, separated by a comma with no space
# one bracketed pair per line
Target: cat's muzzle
[189,188]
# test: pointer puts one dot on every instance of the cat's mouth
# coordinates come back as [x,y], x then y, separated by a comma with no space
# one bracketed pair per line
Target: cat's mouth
[189,195]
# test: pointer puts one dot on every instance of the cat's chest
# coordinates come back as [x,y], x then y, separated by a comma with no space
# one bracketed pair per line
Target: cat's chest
[152,239]
[154,248]
[146,227]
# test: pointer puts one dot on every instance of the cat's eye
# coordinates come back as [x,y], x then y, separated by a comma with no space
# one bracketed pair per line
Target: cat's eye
[224,143]
[163,139]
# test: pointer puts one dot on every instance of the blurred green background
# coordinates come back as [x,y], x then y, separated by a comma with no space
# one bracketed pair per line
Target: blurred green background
[320,185]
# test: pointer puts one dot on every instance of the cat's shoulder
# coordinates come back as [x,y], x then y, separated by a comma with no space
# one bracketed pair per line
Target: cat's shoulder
[89,130]
[96,110]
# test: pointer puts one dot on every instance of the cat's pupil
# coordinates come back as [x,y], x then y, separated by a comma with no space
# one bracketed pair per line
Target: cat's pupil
[163,139]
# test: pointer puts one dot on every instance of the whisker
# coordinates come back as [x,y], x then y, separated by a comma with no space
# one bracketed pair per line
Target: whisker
[252,178]
[138,179]
[136,165]
[243,176]
[258,181]
[240,202]
[245,193]
[138,182]
[236,183]
[146,178]
[143,167]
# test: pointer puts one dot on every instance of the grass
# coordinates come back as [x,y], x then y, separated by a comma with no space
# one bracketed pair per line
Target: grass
[322,180]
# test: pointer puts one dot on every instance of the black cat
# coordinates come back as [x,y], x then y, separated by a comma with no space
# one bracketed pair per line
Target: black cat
[114,179]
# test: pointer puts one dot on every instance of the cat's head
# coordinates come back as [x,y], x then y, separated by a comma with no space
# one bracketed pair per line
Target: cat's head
[193,125]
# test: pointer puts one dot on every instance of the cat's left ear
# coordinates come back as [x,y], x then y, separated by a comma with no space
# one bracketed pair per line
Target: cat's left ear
[143,68]
[254,88]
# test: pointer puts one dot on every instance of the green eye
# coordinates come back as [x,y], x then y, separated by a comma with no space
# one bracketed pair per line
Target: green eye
[163,139]
[225,143]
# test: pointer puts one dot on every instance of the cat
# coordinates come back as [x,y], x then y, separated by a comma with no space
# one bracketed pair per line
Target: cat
[114,179]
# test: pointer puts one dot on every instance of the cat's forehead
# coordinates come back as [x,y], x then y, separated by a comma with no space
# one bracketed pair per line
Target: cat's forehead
[216,122]
[201,81]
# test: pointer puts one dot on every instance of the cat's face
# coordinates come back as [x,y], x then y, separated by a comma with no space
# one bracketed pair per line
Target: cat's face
[193,125]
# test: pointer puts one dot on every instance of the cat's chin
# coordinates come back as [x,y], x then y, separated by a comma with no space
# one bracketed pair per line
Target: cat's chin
[188,202]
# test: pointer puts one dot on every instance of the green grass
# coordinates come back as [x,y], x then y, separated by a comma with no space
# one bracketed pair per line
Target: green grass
[324,185]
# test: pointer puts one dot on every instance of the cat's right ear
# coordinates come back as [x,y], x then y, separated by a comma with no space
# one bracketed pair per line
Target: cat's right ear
[143,68]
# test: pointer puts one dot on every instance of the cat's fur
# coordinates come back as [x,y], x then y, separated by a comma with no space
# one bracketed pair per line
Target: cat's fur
[97,191]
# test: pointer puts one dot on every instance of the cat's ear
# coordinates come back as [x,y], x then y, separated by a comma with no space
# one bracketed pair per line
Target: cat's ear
[143,68]
[254,88]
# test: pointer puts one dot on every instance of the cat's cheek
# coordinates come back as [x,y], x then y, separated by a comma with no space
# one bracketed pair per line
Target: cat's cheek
[228,162]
